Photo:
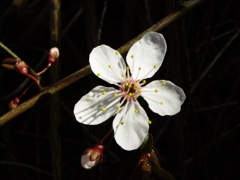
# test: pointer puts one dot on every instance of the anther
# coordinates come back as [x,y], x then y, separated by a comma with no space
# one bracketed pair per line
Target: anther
[103,109]
[104,92]
[164,83]
[131,94]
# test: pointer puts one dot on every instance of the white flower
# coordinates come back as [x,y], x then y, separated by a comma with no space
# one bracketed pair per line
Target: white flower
[131,123]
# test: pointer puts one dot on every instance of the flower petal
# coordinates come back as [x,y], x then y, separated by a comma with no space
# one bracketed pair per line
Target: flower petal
[97,106]
[163,97]
[130,126]
[146,56]
[107,64]
[86,162]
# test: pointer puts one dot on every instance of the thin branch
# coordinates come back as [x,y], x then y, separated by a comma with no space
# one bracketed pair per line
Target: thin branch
[9,51]
[54,106]
[101,21]
[22,165]
[209,67]
[52,89]
[160,25]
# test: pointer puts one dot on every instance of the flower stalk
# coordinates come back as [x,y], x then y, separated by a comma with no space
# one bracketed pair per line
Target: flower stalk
[22,67]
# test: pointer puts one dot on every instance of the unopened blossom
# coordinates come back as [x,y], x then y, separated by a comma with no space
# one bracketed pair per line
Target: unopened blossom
[92,157]
[53,55]
[21,66]
[14,103]
[131,123]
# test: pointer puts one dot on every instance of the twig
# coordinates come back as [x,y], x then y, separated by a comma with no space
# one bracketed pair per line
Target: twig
[27,166]
[213,62]
[52,89]
[163,23]
[9,51]
[54,106]
[218,106]
[101,21]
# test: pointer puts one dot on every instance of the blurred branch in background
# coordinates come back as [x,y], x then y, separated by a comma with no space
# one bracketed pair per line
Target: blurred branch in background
[200,142]
[54,109]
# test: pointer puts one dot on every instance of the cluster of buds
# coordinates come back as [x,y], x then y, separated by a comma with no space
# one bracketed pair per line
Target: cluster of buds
[22,67]
[92,157]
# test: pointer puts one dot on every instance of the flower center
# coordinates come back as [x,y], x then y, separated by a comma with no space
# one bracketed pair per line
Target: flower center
[130,88]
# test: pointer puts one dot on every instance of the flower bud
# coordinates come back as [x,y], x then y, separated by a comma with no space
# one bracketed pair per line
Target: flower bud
[9,63]
[53,55]
[14,103]
[145,163]
[92,157]
[21,66]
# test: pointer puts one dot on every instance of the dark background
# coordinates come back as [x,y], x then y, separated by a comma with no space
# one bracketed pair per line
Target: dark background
[202,142]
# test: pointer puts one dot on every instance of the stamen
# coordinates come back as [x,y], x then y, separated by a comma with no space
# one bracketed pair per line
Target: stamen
[131,94]
[154,67]
[104,92]
[143,82]
[128,73]
[123,100]
[103,109]
[121,120]
[164,83]
[153,100]
[139,69]
[135,110]
[117,85]
[149,122]
[161,103]
[110,67]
